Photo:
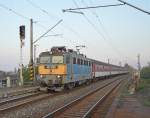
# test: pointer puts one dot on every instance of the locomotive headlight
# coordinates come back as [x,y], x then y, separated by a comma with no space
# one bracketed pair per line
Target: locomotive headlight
[58,76]
[42,76]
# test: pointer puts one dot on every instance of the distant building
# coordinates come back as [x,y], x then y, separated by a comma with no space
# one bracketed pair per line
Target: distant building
[2,79]
[8,79]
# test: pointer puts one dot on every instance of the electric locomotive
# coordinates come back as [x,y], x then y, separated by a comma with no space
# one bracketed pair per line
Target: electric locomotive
[61,68]
[64,68]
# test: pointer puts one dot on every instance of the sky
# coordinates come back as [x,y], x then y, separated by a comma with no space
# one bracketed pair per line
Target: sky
[115,33]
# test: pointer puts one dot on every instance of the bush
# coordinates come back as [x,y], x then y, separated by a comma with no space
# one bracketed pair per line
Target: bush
[145,72]
[26,74]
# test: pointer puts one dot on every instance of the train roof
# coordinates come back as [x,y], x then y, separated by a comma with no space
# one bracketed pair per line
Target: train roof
[104,63]
[44,53]
[63,50]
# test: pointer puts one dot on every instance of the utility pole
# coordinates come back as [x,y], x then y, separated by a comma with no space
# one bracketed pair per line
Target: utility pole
[31,63]
[148,64]
[35,46]
[108,61]
[120,64]
[31,41]
[139,65]
[31,50]
[109,69]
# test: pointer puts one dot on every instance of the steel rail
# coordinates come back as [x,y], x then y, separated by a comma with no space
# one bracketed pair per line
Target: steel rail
[18,98]
[12,93]
[59,110]
[24,102]
[87,114]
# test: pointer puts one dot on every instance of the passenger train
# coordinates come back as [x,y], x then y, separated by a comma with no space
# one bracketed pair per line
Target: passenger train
[65,68]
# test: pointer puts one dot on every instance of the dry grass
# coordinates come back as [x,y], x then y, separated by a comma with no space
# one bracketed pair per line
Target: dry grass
[143,92]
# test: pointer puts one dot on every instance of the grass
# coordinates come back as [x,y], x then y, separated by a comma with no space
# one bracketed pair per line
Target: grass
[144,84]
[143,92]
[124,92]
[146,102]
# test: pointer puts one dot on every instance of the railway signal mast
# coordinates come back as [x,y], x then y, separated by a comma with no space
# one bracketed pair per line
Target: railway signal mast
[22,37]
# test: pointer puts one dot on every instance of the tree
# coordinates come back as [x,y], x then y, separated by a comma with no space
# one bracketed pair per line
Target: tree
[145,72]
[149,64]
[26,74]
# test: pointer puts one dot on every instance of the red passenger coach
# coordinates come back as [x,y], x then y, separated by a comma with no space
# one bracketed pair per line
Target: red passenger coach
[101,69]
[93,69]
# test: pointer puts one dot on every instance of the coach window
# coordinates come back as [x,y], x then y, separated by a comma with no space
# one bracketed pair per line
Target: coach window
[78,61]
[81,62]
[84,62]
[74,60]
[89,63]
[67,59]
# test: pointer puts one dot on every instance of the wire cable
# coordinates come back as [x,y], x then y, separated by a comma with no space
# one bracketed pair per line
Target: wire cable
[93,7]
[100,34]
[88,20]
[48,31]
[20,15]
[41,9]
[104,29]
[137,8]
[14,12]
[98,19]
[64,25]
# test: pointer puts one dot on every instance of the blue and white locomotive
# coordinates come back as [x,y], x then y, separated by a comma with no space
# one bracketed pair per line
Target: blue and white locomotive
[62,68]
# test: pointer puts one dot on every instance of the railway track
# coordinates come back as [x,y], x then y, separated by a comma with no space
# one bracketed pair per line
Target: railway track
[4,94]
[101,109]
[84,105]
[14,103]
[19,97]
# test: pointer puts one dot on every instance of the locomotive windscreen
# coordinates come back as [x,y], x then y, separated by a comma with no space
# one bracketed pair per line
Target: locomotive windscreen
[57,59]
[45,59]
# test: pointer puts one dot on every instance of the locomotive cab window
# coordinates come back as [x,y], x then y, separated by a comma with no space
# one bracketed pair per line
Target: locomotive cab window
[45,59]
[57,59]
